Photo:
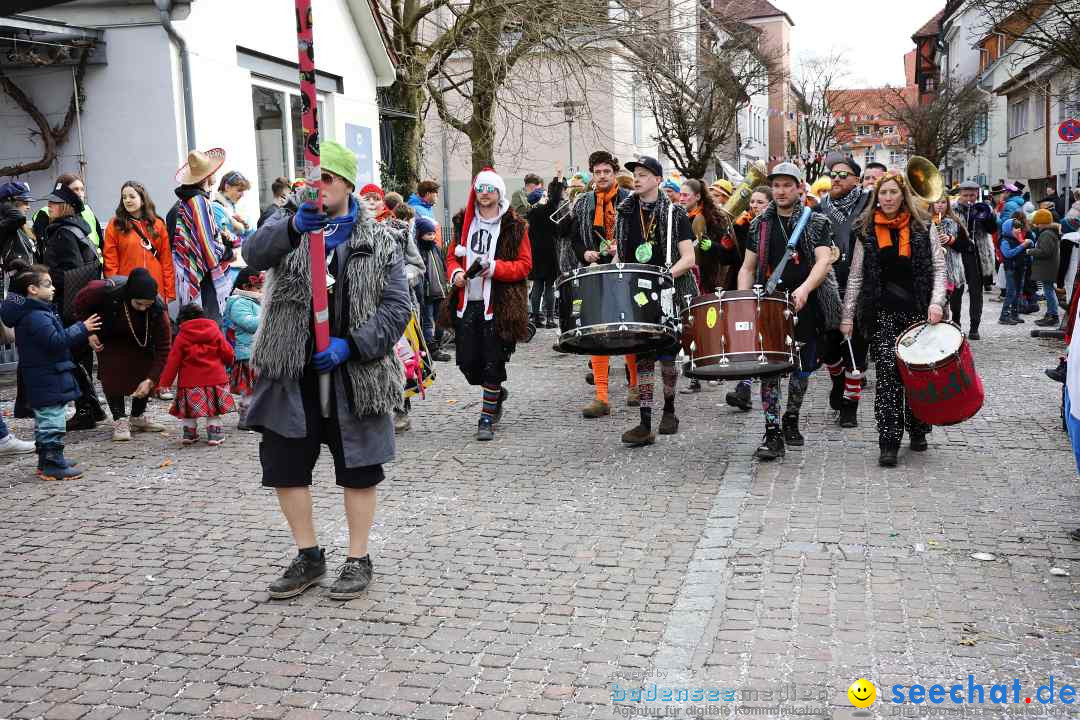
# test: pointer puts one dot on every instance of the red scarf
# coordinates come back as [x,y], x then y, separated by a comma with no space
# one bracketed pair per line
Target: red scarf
[883,228]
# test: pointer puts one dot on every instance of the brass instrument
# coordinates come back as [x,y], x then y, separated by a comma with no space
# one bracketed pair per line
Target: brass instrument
[739,201]
[925,179]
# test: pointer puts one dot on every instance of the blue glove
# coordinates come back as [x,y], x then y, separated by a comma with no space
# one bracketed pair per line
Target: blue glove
[308,219]
[335,354]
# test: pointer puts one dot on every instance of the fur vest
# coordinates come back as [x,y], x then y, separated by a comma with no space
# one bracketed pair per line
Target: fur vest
[364,266]
[509,301]
[922,270]
[827,296]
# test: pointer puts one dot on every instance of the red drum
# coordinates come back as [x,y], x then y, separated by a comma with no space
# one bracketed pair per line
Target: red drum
[938,373]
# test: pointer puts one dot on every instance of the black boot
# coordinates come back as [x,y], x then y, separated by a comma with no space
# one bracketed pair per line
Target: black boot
[83,419]
[792,436]
[836,395]
[888,456]
[1058,374]
[740,398]
[772,445]
[302,573]
[849,414]
[437,352]
[918,441]
[1047,321]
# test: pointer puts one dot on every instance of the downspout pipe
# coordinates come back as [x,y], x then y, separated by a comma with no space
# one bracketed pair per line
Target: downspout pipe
[164,9]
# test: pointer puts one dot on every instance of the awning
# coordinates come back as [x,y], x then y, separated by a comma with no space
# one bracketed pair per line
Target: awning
[33,42]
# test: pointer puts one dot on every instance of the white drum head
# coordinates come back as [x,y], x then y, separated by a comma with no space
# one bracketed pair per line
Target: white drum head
[927,344]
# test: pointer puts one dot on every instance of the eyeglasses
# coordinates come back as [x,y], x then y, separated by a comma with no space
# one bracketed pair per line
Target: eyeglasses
[840,174]
[485,188]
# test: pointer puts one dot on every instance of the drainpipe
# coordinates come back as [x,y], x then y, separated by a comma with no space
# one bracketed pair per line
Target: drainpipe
[164,8]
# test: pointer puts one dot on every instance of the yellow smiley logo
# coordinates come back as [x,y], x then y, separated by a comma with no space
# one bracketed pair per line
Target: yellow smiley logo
[710,318]
[862,693]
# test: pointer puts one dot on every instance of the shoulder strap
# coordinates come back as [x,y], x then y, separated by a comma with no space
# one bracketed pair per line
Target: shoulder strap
[670,214]
[138,229]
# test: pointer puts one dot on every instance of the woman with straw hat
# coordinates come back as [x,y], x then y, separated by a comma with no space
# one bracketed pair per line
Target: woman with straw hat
[201,252]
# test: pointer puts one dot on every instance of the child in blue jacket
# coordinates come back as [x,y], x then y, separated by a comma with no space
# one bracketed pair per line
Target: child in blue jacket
[1015,240]
[241,320]
[45,363]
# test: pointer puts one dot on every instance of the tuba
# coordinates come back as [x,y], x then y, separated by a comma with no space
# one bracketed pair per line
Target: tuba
[739,201]
[924,179]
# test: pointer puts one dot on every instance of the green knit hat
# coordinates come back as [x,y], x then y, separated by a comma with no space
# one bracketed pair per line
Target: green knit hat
[338,159]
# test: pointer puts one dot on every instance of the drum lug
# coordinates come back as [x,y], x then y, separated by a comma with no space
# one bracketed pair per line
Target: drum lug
[759,290]
[787,313]
[623,328]
[622,316]
[689,298]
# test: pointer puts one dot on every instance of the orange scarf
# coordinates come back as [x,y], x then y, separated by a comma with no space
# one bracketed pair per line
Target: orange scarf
[883,227]
[695,212]
[605,211]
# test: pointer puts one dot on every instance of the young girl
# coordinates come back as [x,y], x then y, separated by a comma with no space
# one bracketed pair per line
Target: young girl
[241,320]
[199,356]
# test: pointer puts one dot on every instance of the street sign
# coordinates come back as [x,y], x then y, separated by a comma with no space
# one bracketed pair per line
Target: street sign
[1069,130]
[1064,148]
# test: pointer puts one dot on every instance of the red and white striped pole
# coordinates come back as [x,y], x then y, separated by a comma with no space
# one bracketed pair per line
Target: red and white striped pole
[305,42]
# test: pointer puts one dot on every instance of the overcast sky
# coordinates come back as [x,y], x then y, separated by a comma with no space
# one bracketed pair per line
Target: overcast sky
[874,34]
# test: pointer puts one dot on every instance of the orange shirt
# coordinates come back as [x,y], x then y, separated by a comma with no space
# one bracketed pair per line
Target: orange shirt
[123,252]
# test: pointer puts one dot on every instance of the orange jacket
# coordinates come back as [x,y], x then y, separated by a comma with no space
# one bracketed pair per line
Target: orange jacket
[123,252]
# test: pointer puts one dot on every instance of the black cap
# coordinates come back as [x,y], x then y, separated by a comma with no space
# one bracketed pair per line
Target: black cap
[140,285]
[61,193]
[835,158]
[649,163]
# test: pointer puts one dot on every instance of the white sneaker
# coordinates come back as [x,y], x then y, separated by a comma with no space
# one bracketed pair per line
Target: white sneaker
[11,445]
[145,424]
[121,431]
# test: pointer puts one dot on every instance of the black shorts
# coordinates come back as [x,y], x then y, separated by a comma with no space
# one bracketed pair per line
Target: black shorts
[288,462]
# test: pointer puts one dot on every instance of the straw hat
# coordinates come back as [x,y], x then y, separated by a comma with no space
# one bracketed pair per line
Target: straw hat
[200,165]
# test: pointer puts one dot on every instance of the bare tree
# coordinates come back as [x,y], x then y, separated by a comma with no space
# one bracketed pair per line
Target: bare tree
[822,105]
[1043,28]
[695,100]
[945,122]
[51,137]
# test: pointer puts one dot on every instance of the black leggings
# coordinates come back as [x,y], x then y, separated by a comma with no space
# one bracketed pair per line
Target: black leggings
[116,406]
[974,285]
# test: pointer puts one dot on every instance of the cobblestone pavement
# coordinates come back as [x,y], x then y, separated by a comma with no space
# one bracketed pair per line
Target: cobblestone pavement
[541,574]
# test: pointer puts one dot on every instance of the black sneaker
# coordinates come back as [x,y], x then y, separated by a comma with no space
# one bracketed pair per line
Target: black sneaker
[918,442]
[440,355]
[792,436]
[353,580]
[1047,321]
[1058,374]
[301,574]
[772,445]
[740,398]
[973,335]
[82,420]
[849,414]
[484,430]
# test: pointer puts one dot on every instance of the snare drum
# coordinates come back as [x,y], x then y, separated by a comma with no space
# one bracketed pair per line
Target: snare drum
[739,334]
[938,373]
[614,309]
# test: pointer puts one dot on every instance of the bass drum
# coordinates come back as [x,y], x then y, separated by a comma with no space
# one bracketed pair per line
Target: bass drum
[739,334]
[614,309]
[938,373]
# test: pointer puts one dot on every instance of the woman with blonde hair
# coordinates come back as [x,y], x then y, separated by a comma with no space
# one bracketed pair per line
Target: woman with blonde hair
[897,279]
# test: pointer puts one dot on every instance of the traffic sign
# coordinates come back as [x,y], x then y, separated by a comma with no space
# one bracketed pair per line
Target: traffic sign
[1069,130]
[1068,149]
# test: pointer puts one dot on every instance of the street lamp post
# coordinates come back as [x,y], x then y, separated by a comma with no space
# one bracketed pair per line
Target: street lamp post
[568,107]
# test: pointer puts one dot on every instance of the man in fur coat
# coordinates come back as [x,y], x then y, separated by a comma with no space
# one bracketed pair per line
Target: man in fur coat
[369,305]
[488,266]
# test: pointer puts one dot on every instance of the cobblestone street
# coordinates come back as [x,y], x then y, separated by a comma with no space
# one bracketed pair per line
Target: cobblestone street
[542,574]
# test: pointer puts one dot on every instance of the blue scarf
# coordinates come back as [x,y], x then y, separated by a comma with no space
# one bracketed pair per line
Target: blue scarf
[340,229]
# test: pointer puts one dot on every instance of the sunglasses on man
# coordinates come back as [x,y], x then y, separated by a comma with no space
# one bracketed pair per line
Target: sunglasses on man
[485,188]
[841,174]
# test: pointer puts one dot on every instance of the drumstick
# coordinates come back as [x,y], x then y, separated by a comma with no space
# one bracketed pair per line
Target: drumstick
[770,285]
[854,365]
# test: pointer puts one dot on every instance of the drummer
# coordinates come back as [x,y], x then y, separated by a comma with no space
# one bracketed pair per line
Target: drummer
[641,235]
[818,307]
[591,229]
[897,278]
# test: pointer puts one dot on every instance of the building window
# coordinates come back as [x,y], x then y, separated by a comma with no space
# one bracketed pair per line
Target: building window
[1040,112]
[869,156]
[897,158]
[886,130]
[279,135]
[864,130]
[1018,117]
[980,130]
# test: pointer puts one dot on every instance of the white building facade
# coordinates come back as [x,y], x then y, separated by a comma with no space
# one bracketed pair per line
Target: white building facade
[244,92]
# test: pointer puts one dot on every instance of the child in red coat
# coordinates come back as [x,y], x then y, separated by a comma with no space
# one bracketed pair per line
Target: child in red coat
[199,356]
